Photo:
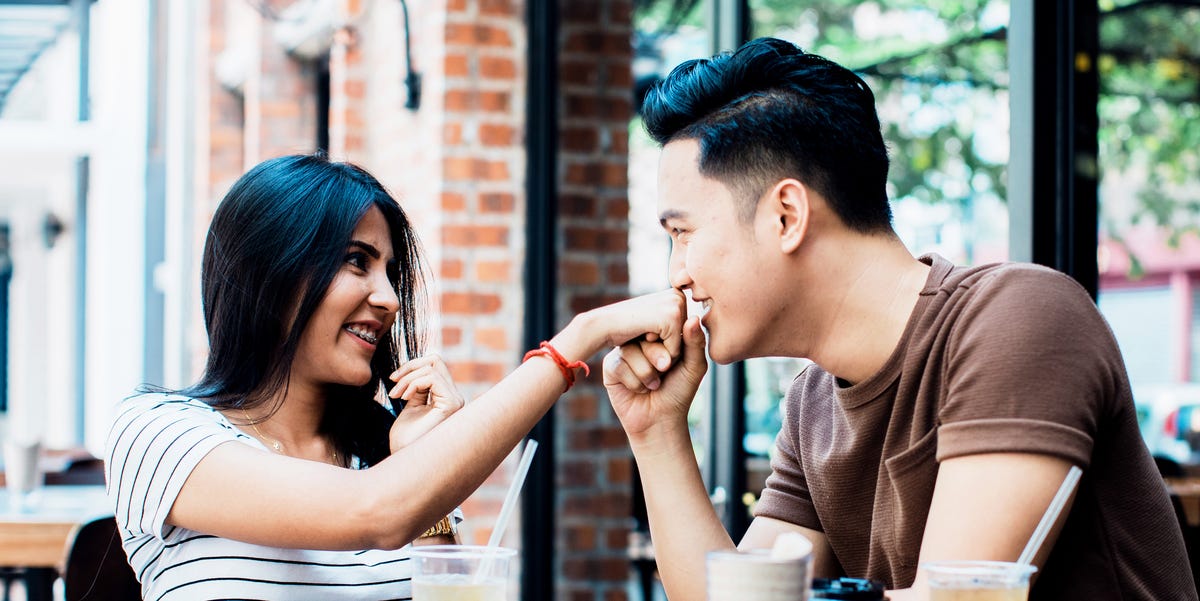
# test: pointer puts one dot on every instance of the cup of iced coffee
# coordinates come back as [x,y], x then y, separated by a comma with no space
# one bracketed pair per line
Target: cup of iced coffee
[463,573]
[978,580]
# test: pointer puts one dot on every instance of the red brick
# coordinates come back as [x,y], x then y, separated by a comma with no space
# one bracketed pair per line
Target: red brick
[619,470]
[619,140]
[497,202]
[453,201]
[616,538]
[580,537]
[586,302]
[475,235]
[470,303]
[574,205]
[494,271]
[579,273]
[617,208]
[498,8]
[355,88]
[581,106]
[474,169]
[617,274]
[494,67]
[456,65]
[455,6]
[579,139]
[609,569]
[598,438]
[458,100]
[494,102]
[596,239]
[452,269]
[471,371]
[474,35]
[496,134]
[451,336]
[576,474]
[493,338]
[616,594]
[581,407]
[581,12]
[578,72]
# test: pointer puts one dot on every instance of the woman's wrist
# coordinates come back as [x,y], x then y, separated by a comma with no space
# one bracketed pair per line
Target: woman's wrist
[575,341]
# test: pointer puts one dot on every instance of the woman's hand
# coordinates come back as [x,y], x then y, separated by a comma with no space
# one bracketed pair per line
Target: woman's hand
[430,396]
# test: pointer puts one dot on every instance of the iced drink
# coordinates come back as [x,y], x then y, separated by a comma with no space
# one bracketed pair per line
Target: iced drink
[456,587]
[756,576]
[463,573]
[978,581]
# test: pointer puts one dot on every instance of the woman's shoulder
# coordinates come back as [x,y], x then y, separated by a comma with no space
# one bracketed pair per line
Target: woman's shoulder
[156,405]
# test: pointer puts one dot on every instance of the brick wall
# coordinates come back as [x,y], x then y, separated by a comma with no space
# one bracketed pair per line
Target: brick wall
[595,465]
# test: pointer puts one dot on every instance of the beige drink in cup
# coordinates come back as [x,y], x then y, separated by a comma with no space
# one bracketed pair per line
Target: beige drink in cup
[463,573]
[978,580]
[783,573]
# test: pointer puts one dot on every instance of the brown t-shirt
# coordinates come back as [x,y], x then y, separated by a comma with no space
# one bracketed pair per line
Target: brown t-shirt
[999,358]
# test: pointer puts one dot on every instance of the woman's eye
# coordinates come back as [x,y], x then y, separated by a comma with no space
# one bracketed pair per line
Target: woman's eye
[358,260]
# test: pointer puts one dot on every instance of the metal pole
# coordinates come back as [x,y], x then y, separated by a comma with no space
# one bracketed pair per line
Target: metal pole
[82,16]
[541,261]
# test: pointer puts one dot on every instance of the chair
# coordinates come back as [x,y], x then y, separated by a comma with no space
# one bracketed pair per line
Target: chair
[78,470]
[96,568]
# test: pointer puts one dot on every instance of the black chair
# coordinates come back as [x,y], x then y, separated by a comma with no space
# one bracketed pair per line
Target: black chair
[96,568]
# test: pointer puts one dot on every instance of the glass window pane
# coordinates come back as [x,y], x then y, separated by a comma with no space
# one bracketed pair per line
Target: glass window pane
[1149,255]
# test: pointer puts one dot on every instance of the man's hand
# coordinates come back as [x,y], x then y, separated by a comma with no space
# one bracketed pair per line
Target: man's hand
[642,386]
[430,395]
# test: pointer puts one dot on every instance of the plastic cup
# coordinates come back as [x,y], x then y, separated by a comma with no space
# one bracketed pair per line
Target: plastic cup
[978,580]
[756,576]
[22,474]
[464,573]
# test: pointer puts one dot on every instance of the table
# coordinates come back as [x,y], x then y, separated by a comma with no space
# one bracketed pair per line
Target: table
[37,537]
[1188,492]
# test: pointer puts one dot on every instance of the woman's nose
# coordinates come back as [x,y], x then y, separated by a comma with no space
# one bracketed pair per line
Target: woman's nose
[383,294]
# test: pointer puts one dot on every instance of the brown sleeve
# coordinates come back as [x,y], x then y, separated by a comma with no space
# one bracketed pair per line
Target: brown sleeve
[786,496]
[1032,367]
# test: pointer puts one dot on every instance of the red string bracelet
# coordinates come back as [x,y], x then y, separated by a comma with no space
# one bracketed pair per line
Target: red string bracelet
[566,367]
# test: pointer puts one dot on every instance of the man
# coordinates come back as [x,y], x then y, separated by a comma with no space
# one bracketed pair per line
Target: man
[945,405]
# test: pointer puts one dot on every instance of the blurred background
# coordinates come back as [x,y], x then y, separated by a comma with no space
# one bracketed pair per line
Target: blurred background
[1065,133]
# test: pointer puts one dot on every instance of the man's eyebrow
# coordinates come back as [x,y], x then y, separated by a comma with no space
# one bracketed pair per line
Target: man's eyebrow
[670,214]
[367,248]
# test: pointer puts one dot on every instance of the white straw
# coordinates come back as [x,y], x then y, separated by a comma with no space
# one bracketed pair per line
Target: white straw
[1051,516]
[510,499]
[514,489]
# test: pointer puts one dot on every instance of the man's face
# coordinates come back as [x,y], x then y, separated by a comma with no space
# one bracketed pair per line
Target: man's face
[715,255]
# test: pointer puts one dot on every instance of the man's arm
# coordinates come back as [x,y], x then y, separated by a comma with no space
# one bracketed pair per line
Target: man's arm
[986,507]
[762,534]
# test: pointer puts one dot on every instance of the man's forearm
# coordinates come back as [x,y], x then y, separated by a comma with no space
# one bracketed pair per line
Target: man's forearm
[683,525]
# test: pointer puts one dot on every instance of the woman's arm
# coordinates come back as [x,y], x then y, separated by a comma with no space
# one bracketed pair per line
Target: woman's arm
[247,494]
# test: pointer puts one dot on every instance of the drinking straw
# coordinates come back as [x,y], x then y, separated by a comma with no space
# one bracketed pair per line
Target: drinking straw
[514,489]
[510,499]
[1051,516]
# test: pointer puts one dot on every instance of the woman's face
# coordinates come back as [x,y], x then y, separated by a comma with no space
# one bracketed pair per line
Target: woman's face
[356,313]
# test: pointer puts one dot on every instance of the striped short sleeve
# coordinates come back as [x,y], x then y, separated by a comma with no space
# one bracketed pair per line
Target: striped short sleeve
[155,442]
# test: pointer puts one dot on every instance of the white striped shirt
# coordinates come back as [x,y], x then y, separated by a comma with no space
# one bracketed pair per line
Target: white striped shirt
[155,442]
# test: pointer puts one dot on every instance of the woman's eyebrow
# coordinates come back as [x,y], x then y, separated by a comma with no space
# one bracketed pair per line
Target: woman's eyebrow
[365,247]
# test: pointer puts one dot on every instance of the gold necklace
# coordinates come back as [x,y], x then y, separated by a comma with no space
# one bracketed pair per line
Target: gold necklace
[275,444]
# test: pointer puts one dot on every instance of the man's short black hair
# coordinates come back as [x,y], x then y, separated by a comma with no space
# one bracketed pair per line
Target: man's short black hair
[769,111]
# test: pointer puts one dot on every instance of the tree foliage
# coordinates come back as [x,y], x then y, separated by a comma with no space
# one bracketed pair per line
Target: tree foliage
[939,71]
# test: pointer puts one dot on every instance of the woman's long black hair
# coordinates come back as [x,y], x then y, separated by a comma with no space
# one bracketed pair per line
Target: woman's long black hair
[276,242]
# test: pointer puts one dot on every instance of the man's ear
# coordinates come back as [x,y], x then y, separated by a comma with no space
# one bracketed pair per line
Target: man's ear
[792,212]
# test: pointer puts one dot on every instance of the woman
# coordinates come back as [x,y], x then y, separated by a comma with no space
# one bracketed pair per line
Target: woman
[279,474]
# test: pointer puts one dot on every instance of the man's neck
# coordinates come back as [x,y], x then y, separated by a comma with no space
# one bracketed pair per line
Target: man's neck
[873,283]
